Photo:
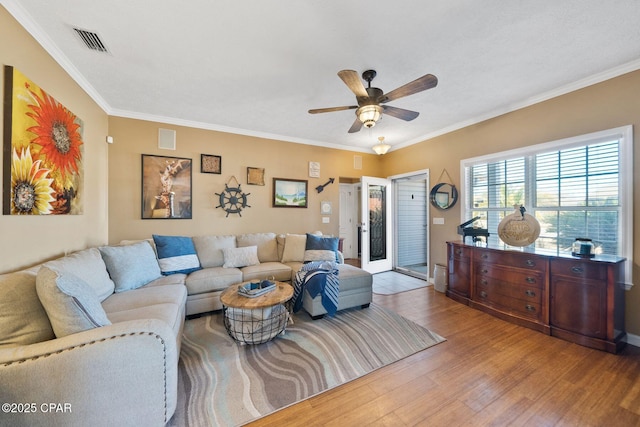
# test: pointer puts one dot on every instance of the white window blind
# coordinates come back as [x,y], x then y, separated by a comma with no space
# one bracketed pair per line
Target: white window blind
[578,187]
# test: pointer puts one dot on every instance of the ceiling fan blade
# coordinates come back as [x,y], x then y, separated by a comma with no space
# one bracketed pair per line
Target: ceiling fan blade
[356,126]
[352,80]
[400,113]
[328,110]
[418,85]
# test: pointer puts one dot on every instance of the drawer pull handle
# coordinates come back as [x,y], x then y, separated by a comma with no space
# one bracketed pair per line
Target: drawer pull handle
[529,307]
[483,281]
[530,280]
[484,271]
[483,294]
[530,263]
[484,256]
[458,251]
[530,293]
[577,270]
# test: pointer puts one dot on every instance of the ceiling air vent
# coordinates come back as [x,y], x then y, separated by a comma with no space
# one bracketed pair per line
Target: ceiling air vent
[91,40]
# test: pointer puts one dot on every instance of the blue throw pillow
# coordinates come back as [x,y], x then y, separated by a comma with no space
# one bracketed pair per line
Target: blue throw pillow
[176,254]
[320,243]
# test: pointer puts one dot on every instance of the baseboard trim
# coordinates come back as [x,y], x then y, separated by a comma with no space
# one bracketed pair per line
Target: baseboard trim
[633,340]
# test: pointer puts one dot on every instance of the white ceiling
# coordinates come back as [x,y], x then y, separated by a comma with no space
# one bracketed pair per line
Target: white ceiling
[256,66]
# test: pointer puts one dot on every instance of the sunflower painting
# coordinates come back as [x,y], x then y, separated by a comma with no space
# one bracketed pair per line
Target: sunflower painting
[43,167]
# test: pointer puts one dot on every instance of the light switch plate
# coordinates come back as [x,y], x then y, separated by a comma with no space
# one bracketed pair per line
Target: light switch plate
[438,221]
[325,219]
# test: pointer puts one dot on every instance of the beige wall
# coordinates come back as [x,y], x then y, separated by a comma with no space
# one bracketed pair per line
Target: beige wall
[112,172]
[607,105]
[279,159]
[29,240]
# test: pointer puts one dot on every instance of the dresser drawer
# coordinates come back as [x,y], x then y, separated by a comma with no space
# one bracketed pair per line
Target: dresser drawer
[511,259]
[460,252]
[579,269]
[508,289]
[496,295]
[518,277]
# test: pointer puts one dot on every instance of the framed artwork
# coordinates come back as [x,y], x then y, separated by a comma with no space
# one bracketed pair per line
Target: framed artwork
[166,187]
[314,169]
[43,165]
[210,164]
[255,176]
[289,193]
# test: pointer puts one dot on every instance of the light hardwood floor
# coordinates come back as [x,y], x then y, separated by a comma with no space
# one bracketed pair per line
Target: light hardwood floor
[488,372]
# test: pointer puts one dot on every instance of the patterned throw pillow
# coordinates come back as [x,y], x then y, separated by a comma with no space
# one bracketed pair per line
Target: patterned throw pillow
[176,254]
[240,257]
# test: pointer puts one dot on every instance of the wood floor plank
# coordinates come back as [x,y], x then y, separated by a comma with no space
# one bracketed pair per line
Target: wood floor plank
[488,373]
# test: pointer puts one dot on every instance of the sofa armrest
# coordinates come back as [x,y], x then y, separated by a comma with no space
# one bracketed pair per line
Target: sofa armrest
[340,257]
[121,374]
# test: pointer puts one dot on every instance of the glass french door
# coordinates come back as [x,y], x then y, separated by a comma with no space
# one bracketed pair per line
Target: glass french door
[376,225]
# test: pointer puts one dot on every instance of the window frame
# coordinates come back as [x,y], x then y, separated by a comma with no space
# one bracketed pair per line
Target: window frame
[624,134]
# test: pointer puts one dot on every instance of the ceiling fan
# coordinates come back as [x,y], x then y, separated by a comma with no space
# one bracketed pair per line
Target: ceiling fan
[369,110]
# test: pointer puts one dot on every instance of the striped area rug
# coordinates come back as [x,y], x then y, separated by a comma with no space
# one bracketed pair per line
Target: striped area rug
[226,384]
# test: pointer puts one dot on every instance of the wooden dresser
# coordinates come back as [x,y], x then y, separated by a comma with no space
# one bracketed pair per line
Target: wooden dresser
[577,299]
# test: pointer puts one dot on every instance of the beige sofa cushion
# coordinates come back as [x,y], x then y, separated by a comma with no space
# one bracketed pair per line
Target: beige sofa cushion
[88,266]
[212,279]
[294,247]
[71,304]
[267,270]
[266,243]
[209,249]
[23,319]
[162,302]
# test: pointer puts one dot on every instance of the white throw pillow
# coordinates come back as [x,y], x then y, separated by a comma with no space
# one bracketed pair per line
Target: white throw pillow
[240,257]
[319,255]
[71,304]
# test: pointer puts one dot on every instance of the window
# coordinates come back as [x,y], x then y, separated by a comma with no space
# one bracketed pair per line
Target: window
[578,187]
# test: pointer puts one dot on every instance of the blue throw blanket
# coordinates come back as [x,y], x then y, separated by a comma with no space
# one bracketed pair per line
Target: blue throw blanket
[318,277]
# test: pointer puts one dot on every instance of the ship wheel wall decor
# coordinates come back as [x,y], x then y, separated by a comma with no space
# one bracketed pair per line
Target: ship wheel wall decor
[232,199]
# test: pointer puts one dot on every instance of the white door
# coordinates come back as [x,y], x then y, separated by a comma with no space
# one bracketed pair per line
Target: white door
[376,239]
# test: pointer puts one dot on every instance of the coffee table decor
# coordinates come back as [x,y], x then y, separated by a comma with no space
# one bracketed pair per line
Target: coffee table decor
[256,319]
[255,289]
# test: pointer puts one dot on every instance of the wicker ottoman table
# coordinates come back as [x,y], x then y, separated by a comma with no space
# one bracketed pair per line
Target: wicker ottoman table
[255,320]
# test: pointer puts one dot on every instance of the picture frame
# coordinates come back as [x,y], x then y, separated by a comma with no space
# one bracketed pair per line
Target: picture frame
[43,146]
[210,163]
[255,176]
[166,187]
[290,193]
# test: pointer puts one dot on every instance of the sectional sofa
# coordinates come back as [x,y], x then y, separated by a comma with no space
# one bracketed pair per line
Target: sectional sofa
[98,333]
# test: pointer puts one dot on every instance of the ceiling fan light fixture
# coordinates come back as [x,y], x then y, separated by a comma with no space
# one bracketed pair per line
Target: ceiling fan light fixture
[369,115]
[381,147]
